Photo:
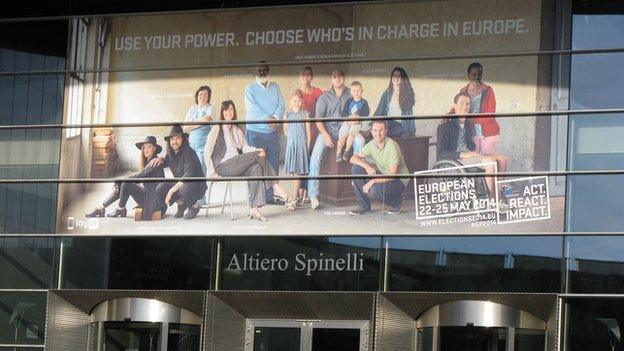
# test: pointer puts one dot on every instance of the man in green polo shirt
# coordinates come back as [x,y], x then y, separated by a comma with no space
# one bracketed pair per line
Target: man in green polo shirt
[388,159]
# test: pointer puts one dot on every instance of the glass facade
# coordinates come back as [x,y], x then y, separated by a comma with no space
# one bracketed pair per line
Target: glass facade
[595,265]
[595,142]
[267,338]
[22,318]
[475,264]
[137,263]
[594,324]
[30,99]
[28,263]
[241,277]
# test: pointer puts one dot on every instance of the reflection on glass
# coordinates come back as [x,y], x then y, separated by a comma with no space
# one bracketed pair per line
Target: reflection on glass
[277,339]
[595,82]
[131,336]
[136,263]
[160,264]
[473,339]
[27,263]
[594,324]
[424,339]
[22,317]
[529,340]
[595,264]
[30,99]
[519,264]
[93,336]
[324,339]
[183,337]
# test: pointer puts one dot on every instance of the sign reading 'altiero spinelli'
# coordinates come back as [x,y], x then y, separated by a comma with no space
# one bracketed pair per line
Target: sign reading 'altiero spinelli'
[350,262]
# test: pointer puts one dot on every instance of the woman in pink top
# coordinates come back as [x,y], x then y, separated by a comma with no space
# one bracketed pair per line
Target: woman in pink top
[482,100]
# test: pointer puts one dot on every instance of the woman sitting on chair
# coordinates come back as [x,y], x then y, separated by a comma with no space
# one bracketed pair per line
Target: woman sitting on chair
[228,154]
[144,195]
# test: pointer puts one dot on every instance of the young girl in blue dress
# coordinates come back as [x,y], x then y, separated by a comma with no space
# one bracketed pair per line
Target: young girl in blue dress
[299,137]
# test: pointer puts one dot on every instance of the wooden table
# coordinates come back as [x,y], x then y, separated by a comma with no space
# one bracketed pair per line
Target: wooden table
[340,192]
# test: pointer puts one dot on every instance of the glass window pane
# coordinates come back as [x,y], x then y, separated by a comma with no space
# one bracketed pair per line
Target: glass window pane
[171,264]
[277,339]
[30,99]
[41,37]
[335,339]
[518,264]
[424,339]
[122,336]
[529,340]
[27,263]
[134,263]
[594,324]
[595,264]
[594,201]
[183,337]
[22,317]
[596,82]
[473,338]
[93,336]
[85,263]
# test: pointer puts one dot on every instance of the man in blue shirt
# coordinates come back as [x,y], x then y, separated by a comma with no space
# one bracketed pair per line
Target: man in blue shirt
[264,102]
[329,105]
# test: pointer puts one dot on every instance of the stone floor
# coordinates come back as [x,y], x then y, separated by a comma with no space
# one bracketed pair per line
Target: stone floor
[326,220]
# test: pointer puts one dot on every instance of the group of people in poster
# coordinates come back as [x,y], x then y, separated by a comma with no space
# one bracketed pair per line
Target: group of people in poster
[225,150]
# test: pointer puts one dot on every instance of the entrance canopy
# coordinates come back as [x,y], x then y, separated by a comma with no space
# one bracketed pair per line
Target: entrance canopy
[136,309]
[475,313]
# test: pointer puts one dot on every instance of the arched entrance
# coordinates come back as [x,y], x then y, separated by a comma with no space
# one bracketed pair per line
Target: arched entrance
[472,325]
[143,324]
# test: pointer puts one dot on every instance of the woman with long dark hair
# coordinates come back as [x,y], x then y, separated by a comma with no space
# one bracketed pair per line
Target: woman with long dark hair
[398,100]
[143,194]
[228,154]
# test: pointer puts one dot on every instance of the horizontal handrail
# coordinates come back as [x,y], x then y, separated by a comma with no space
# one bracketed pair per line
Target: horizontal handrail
[321,62]
[316,119]
[308,177]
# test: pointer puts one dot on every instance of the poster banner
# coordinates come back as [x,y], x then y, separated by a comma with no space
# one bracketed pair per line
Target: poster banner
[344,61]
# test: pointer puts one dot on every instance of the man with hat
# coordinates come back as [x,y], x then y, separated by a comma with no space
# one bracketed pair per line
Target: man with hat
[183,162]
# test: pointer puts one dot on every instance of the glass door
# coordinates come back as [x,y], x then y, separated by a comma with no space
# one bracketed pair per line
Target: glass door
[291,335]
[475,325]
[335,339]
[469,338]
[183,337]
[143,336]
[473,339]
[141,324]
[129,336]
[277,339]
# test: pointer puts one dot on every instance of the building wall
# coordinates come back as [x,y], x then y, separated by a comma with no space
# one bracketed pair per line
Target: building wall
[584,272]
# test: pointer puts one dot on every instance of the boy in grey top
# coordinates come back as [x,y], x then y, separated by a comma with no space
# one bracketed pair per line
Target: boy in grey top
[328,105]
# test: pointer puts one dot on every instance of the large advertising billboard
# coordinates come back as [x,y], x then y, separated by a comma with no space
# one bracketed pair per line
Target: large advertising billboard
[264,66]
